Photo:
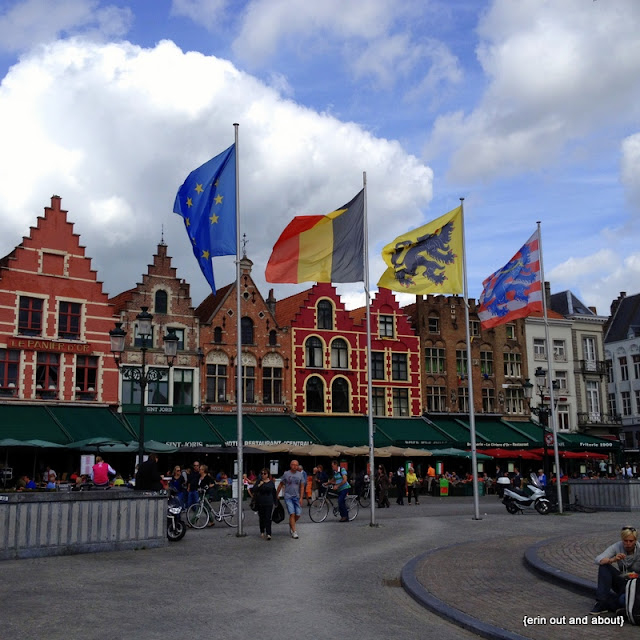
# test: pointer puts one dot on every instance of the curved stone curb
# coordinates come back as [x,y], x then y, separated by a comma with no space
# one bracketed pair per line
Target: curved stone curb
[419,593]
[555,575]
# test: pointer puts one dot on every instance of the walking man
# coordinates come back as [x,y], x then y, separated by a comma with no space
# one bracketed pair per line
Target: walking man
[293,486]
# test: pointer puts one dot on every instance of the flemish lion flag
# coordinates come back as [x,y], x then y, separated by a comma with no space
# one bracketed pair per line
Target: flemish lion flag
[427,259]
[321,248]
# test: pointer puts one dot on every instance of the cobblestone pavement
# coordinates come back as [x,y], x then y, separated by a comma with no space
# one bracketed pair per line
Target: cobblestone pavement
[338,578]
[488,580]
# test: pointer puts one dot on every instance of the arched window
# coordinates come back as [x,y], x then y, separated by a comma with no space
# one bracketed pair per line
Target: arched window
[315,395]
[273,338]
[246,330]
[325,315]
[339,354]
[313,350]
[340,396]
[217,335]
[161,301]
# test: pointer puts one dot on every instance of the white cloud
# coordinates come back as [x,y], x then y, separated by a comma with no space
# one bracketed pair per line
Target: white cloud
[29,22]
[207,13]
[375,39]
[557,72]
[597,278]
[114,129]
[631,170]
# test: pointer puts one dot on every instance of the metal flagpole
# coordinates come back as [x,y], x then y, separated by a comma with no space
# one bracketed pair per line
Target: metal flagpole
[239,389]
[552,408]
[372,484]
[472,415]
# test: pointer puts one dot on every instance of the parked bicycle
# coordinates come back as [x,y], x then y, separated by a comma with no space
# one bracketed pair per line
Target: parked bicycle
[200,514]
[319,509]
[364,498]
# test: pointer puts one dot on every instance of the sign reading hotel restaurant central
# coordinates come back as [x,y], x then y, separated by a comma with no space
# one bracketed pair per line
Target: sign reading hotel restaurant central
[36,344]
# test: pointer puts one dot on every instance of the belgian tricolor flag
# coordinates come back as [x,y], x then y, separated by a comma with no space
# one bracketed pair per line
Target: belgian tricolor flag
[321,248]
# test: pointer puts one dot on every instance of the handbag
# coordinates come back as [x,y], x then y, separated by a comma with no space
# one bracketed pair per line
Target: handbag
[253,505]
[278,513]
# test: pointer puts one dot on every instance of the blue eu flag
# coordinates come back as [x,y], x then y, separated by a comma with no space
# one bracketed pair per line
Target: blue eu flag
[207,202]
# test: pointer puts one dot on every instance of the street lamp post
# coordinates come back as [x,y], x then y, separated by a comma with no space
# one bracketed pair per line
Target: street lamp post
[141,374]
[541,411]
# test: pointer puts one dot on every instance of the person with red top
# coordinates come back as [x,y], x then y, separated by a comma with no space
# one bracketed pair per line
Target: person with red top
[100,472]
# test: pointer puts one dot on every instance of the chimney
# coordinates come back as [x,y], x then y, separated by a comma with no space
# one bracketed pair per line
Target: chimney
[547,293]
[271,303]
[616,303]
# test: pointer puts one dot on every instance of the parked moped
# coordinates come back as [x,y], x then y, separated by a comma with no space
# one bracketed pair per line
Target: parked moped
[517,500]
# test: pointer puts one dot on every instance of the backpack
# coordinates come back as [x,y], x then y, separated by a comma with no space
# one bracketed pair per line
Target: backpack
[632,601]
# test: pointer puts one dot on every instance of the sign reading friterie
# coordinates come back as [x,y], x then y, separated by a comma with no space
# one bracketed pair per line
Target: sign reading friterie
[35,344]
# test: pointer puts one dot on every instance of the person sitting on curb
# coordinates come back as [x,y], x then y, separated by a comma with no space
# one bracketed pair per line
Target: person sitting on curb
[614,564]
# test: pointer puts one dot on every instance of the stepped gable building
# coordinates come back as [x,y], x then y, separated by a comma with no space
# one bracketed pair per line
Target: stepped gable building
[329,366]
[588,365]
[266,351]
[168,299]
[54,320]
[395,358]
[499,359]
[622,355]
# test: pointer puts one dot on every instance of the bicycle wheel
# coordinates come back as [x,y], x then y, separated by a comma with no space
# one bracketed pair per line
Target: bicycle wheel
[319,510]
[229,513]
[365,499]
[198,515]
[352,507]
[582,509]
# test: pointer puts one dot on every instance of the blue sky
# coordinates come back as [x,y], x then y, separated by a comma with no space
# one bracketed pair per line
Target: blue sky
[530,110]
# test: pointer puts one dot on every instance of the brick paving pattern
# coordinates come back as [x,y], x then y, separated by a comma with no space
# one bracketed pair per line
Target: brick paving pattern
[488,580]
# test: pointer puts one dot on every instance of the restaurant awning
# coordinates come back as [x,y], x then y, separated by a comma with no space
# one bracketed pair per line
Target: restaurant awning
[491,432]
[280,428]
[411,432]
[456,430]
[184,431]
[581,441]
[84,423]
[351,431]
[29,422]
[227,428]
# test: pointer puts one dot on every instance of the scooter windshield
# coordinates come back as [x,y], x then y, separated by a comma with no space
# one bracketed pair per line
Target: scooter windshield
[535,481]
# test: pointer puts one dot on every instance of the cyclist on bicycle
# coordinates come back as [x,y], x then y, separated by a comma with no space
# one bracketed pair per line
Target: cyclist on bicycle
[341,485]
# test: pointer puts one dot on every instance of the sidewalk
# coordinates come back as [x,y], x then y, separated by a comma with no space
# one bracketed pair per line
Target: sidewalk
[488,588]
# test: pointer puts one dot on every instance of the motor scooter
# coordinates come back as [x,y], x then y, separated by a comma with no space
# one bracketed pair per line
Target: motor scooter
[176,527]
[517,500]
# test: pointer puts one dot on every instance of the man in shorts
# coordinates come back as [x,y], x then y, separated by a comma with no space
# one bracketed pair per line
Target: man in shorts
[293,485]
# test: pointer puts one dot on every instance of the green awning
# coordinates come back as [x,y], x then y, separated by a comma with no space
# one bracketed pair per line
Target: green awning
[28,422]
[529,429]
[496,433]
[227,427]
[280,428]
[349,431]
[457,431]
[580,442]
[411,432]
[83,423]
[180,430]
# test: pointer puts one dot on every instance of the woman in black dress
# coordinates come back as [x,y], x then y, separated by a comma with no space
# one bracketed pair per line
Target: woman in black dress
[264,491]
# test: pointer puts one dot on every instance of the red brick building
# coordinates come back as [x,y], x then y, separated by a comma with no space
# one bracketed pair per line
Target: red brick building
[498,356]
[54,319]
[266,350]
[329,355]
[168,299]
